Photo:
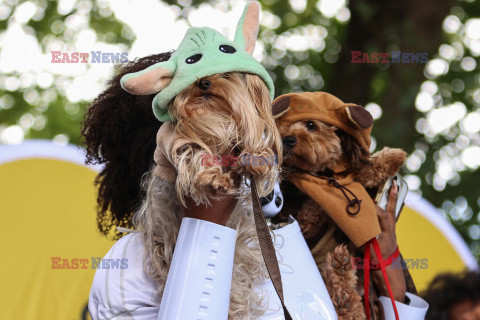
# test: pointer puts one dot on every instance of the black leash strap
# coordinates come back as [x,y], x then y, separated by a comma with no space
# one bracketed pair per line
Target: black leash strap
[267,248]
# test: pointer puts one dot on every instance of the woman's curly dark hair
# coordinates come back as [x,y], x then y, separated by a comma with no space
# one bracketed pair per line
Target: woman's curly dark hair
[119,131]
[448,289]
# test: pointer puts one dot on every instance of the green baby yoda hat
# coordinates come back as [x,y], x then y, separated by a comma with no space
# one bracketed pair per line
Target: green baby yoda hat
[202,52]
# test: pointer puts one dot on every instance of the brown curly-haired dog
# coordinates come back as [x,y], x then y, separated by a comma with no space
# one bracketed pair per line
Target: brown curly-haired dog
[315,142]
[314,146]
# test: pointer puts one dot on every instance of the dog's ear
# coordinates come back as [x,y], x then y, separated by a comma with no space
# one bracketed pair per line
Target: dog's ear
[280,106]
[247,29]
[150,80]
[359,116]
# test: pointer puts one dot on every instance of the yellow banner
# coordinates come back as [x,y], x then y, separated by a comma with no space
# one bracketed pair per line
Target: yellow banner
[47,207]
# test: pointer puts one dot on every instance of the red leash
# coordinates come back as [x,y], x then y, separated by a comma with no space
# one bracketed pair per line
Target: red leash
[383,263]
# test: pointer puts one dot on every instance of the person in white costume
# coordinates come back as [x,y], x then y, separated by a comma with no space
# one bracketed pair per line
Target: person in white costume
[188,262]
[199,281]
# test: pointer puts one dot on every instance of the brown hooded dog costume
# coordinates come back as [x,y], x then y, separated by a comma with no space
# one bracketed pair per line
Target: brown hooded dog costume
[327,171]
[345,200]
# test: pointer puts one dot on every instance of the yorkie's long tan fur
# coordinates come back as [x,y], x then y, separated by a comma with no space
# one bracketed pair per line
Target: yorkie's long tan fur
[231,115]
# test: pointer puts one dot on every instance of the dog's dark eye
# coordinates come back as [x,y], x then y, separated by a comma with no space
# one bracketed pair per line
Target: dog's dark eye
[193,59]
[310,125]
[227,49]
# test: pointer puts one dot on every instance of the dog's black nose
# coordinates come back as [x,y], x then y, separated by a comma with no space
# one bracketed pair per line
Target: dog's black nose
[289,141]
[204,84]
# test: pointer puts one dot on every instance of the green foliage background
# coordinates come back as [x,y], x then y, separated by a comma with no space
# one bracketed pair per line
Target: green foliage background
[367,26]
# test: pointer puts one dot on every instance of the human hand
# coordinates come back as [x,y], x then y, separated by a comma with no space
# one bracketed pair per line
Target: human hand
[387,241]
[218,211]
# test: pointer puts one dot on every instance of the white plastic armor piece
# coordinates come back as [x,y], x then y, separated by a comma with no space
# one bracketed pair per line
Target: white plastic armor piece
[272,204]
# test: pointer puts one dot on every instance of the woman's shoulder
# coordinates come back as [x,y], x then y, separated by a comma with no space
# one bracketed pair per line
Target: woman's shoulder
[120,284]
[127,254]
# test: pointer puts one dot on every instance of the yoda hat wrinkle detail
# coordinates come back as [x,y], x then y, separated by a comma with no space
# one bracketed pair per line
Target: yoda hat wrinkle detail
[202,52]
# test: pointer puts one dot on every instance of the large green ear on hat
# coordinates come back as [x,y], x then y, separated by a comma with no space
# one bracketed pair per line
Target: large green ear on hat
[247,29]
[359,116]
[150,80]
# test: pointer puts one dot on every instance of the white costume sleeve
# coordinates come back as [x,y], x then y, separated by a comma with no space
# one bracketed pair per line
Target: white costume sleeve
[198,283]
[416,310]
[306,295]
[200,276]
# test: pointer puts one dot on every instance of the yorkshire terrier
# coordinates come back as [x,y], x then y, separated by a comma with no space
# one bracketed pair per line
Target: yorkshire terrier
[314,142]
[219,99]
[224,114]
[315,146]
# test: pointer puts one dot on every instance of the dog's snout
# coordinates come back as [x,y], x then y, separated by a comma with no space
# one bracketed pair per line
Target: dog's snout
[204,84]
[289,141]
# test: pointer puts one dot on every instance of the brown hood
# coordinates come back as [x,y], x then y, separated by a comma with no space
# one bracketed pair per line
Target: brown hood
[322,106]
[362,225]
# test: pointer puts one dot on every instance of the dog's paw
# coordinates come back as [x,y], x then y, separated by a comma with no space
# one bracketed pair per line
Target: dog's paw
[343,302]
[341,281]
[348,304]
[341,260]
[214,179]
[385,163]
[391,159]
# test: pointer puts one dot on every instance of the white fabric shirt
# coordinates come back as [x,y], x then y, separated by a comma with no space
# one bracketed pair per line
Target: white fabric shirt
[199,280]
